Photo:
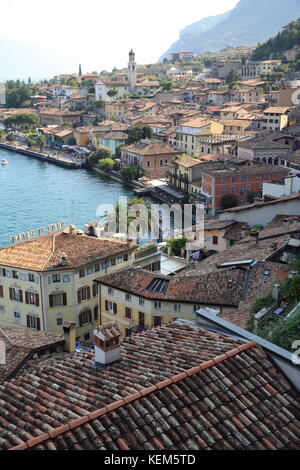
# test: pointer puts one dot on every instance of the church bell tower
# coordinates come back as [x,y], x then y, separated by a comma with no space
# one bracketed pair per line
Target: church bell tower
[132,72]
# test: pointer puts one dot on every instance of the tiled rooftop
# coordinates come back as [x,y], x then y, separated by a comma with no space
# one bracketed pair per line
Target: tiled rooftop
[20,345]
[63,390]
[217,288]
[44,253]
[235,400]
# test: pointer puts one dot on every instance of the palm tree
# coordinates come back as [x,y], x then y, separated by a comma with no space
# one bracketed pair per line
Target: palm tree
[140,220]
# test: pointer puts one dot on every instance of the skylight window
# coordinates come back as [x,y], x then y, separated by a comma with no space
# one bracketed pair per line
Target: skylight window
[158,285]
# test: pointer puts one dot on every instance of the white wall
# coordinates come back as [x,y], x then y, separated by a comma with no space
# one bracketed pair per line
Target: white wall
[264,214]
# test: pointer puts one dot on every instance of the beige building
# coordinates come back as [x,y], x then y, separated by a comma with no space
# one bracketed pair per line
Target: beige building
[54,116]
[139,300]
[48,280]
[190,133]
[275,118]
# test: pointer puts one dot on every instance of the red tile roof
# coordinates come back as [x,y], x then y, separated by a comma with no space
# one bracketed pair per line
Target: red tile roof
[216,288]
[44,253]
[20,346]
[235,401]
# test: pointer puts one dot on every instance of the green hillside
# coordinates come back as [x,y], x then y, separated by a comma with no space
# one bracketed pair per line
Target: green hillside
[274,47]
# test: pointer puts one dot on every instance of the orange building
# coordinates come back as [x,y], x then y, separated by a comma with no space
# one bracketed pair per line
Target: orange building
[152,156]
[238,181]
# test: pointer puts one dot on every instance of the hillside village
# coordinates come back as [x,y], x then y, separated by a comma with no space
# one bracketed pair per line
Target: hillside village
[222,130]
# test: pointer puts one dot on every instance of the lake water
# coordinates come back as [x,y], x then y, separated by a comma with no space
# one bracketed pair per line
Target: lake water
[35,194]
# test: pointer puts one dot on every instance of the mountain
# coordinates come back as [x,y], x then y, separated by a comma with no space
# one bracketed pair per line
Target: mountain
[38,62]
[250,22]
[287,39]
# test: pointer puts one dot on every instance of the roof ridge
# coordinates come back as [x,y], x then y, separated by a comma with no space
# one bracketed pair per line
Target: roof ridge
[52,251]
[133,397]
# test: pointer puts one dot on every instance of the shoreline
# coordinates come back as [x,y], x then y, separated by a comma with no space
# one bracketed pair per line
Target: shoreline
[42,156]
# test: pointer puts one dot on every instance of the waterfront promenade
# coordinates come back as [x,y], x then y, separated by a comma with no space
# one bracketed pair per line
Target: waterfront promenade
[58,159]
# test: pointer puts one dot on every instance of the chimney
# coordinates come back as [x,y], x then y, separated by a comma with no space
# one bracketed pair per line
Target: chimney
[72,230]
[276,293]
[274,246]
[169,248]
[107,344]
[130,242]
[64,259]
[255,234]
[69,329]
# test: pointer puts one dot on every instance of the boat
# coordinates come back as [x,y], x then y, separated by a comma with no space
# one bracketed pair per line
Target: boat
[4,162]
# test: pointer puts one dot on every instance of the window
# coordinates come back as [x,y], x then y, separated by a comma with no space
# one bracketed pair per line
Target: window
[66,278]
[157,305]
[177,307]
[95,289]
[128,313]
[56,278]
[141,301]
[232,189]
[3,272]
[15,274]
[113,262]
[141,319]
[31,277]
[156,321]
[85,317]
[97,267]
[128,297]
[84,294]
[59,321]
[223,189]
[96,312]
[81,272]
[32,298]
[125,257]
[89,270]
[161,163]
[17,315]
[111,307]
[1,291]
[110,291]
[33,322]
[15,294]
[148,163]
[196,308]
[86,336]
[215,240]
[58,300]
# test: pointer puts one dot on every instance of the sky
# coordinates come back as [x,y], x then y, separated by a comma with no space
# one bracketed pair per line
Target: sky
[98,33]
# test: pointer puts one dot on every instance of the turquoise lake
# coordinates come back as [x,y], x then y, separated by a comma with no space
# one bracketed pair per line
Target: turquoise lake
[35,194]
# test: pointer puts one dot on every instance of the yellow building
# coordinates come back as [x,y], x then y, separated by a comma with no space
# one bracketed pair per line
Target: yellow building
[183,172]
[48,280]
[189,134]
[138,300]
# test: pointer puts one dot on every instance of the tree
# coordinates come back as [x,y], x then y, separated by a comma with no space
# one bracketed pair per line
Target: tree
[167,85]
[106,164]
[139,132]
[131,173]
[100,154]
[228,201]
[41,142]
[177,245]
[112,92]
[21,122]
[232,78]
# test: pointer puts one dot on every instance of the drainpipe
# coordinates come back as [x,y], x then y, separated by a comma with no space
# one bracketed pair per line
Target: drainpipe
[42,303]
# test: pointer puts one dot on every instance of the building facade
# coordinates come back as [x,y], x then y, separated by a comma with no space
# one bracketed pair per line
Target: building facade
[49,280]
